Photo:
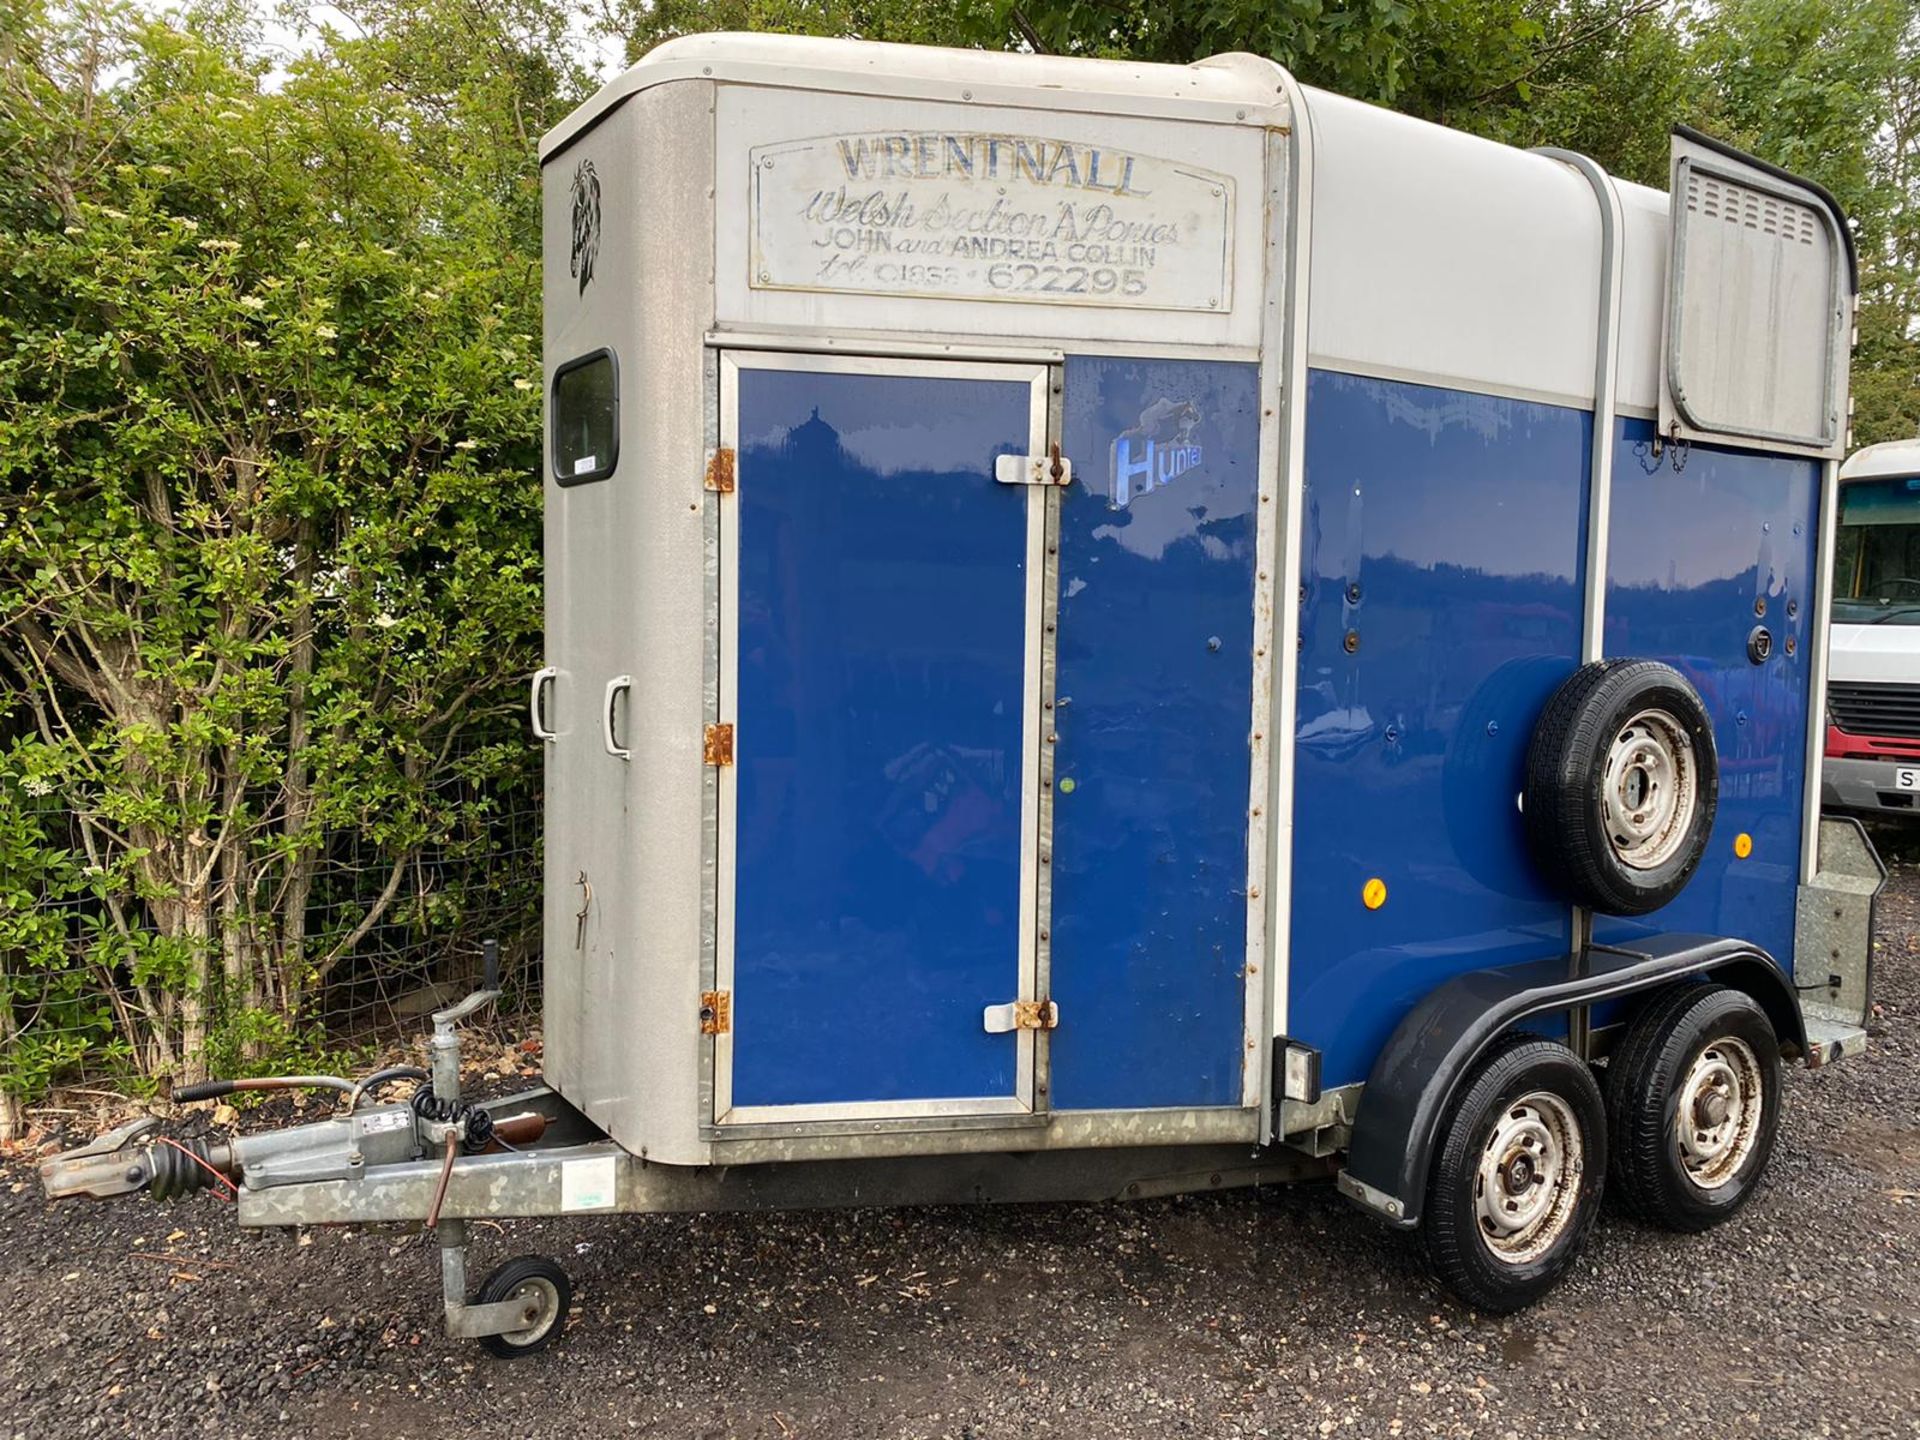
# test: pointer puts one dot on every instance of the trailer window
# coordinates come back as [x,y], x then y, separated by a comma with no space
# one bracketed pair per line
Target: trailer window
[1876,556]
[586,418]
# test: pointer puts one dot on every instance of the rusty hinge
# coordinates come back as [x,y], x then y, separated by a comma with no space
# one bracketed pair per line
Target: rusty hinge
[1020,1015]
[716,1012]
[720,471]
[719,745]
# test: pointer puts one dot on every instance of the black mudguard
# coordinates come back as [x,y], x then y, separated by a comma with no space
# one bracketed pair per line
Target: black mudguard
[1420,1070]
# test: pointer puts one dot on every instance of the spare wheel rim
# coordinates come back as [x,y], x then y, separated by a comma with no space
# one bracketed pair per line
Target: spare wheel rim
[1651,790]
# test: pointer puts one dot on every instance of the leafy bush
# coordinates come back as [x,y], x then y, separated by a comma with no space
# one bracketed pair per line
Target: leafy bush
[269,564]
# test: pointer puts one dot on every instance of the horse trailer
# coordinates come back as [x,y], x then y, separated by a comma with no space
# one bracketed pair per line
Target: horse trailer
[1119,629]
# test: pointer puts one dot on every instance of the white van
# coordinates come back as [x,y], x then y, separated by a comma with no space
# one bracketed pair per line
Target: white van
[1873,666]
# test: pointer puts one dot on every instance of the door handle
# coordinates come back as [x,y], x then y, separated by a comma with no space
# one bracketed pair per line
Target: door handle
[614,687]
[540,678]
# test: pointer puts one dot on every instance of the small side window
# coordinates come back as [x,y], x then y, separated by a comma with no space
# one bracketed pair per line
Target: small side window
[586,418]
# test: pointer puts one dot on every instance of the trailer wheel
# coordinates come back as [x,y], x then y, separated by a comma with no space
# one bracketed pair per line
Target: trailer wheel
[545,1291]
[1693,1101]
[1516,1185]
[1622,783]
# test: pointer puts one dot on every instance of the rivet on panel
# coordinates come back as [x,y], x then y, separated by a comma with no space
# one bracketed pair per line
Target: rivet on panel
[1352,642]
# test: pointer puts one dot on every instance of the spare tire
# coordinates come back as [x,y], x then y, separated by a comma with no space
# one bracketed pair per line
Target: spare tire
[1622,784]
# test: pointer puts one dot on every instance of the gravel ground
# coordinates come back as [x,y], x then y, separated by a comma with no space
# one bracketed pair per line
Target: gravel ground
[1281,1313]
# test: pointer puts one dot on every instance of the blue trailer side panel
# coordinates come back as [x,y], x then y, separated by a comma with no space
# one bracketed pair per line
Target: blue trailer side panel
[1443,547]
[1697,553]
[882,624]
[1154,687]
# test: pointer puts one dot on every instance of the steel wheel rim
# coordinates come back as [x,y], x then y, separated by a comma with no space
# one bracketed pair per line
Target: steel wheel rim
[1650,791]
[1717,1119]
[540,1301]
[1527,1184]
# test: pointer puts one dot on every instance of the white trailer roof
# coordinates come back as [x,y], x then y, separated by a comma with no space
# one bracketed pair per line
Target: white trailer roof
[1436,256]
[1227,89]
[1442,257]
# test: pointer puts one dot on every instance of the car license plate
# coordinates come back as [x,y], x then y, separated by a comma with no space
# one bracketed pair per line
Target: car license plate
[1907,777]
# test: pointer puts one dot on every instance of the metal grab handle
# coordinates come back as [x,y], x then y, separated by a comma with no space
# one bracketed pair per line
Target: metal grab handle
[540,678]
[614,687]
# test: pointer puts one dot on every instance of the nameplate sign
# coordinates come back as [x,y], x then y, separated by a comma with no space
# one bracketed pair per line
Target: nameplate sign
[990,216]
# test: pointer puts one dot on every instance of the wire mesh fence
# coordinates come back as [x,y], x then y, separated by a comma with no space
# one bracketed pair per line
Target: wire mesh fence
[400,929]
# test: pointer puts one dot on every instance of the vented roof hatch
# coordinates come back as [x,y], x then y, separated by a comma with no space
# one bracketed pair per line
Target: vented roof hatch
[1760,287]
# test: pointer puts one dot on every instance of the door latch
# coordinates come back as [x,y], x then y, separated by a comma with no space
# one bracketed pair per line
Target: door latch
[1050,469]
[1020,1015]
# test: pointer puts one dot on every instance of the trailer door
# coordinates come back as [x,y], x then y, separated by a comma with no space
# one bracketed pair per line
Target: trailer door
[880,652]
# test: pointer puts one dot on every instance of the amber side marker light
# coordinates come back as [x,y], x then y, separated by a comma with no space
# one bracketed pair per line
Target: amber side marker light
[1743,845]
[1374,893]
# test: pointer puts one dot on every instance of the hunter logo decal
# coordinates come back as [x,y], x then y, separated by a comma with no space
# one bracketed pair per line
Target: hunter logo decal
[586,223]
[1156,452]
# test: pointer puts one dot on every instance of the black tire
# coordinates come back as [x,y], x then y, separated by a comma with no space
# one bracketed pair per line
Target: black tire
[1468,1255]
[548,1293]
[1581,846]
[1653,1173]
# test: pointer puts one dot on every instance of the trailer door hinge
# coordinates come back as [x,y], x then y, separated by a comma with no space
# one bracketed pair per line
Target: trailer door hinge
[1049,469]
[716,1012]
[1020,1015]
[720,471]
[719,745]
